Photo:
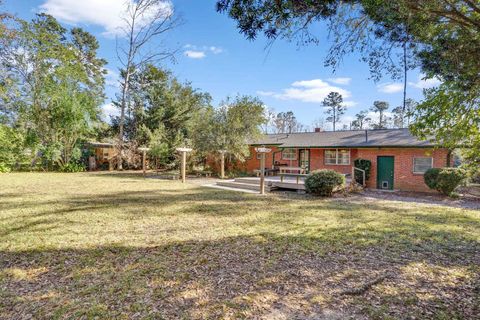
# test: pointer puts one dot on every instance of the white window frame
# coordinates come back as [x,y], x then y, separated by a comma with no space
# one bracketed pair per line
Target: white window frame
[289,159]
[259,156]
[413,164]
[336,157]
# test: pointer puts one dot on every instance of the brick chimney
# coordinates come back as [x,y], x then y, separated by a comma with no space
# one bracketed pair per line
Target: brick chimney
[318,129]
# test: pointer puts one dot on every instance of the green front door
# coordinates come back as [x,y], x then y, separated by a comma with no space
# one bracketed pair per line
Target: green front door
[385,172]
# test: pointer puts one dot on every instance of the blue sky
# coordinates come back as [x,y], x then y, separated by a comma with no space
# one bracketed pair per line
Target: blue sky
[215,58]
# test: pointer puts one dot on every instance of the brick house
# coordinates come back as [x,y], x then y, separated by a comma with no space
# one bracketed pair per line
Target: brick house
[398,159]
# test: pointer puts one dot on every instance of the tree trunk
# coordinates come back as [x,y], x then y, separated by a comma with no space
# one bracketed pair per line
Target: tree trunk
[405,71]
[334,117]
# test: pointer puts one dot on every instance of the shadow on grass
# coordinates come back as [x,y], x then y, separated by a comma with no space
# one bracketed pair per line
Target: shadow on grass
[241,277]
[294,262]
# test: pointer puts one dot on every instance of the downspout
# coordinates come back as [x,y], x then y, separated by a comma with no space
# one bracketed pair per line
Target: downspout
[449,158]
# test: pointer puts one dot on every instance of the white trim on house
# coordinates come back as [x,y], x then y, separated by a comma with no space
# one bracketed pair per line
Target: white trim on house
[421,172]
[336,157]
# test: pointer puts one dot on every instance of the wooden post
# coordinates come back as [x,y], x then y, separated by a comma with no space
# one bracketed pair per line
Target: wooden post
[144,158]
[222,164]
[262,174]
[143,163]
[183,166]
[262,151]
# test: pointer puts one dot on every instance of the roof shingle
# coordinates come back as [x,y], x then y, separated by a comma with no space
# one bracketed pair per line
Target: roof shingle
[353,138]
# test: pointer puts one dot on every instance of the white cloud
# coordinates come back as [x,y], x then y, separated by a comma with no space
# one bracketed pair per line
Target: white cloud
[215,50]
[390,87]
[265,93]
[314,90]
[111,78]
[195,54]
[104,13]
[425,84]
[350,103]
[340,80]
[199,52]
[109,110]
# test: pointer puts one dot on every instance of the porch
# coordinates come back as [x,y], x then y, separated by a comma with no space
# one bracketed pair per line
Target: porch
[271,183]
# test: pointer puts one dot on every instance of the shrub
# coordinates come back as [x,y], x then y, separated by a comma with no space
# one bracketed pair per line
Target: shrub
[444,180]
[72,167]
[475,177]
[4,168]
[365,165]
[323,182]
[431,177]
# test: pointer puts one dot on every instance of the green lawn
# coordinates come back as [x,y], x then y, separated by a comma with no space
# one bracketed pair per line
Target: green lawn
[122,247]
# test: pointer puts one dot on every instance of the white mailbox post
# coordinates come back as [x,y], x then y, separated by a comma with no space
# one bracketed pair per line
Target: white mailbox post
[262,151]
[183,151]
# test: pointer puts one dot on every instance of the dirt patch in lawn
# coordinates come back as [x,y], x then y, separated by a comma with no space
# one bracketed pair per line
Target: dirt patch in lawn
[465,201]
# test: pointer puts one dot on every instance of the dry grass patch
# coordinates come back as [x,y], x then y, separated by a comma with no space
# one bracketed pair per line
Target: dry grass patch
[116,246]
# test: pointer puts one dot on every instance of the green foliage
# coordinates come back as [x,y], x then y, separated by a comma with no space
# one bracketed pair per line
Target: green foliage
[442,37]
[323,182]
[229,127]
[286,122]
[335,109]
[56,88]
[380,107]
[444,180]
[4,168]
[365,165]
[452,116]
[72,167]
[361,120]
[13,147]
[431,177]
[162,114]
[475,177]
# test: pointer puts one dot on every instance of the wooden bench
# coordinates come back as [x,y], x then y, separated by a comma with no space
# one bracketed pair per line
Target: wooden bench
[299,170]
[296,175]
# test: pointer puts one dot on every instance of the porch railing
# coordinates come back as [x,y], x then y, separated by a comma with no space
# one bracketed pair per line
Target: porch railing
[363,175]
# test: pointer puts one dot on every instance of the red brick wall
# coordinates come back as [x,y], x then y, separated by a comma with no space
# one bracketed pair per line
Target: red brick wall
[317,161]
[404,178]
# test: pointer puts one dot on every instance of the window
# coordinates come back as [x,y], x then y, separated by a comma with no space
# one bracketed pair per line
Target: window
[343,156]
[330,157]
[421,165]
[289,154]
[259,156]
[337,157]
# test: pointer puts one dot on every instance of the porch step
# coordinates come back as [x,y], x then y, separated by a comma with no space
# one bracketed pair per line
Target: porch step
[242,185]
[253,181]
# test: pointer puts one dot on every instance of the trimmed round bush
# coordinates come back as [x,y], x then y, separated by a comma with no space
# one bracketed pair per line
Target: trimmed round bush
[431,177]
[444,180]
[323,182]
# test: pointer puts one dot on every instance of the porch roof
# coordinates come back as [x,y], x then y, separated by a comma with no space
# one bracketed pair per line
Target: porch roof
[393,138]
